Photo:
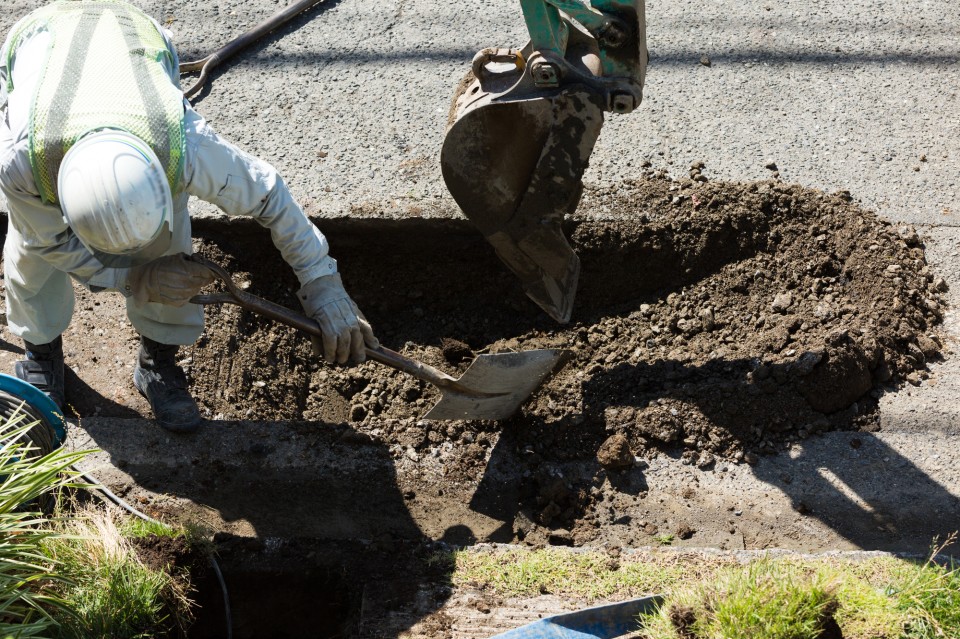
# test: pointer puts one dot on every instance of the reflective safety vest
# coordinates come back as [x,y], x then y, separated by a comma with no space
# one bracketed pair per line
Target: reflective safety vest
[104,69]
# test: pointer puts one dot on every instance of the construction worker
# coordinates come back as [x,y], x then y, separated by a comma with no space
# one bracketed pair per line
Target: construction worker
[98,156]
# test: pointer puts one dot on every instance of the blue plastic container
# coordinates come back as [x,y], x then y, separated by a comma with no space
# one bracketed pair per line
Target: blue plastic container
[601,622]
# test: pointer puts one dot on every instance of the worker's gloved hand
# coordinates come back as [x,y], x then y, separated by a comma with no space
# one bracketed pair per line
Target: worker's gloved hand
[345,329]
[170,280]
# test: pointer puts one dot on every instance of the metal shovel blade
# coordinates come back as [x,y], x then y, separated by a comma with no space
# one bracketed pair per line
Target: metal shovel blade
[505,380]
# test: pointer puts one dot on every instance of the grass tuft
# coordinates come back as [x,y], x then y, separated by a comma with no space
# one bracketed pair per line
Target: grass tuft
[71,575]
[136,528]
[929,597]
[109,589]
[716,597]
[664,539]
[590,575]
[28,579]
[766,599]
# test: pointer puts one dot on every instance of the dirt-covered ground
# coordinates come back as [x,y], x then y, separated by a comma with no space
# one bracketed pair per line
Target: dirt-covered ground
[719,319]
[715,321]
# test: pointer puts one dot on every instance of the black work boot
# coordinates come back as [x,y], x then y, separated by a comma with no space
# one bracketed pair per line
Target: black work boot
[164,384]
[43,368]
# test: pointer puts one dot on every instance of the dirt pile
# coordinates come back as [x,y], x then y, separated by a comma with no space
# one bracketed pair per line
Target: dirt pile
[825,306]
[714,319]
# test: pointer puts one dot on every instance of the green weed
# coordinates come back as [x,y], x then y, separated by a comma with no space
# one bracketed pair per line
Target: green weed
[110,591]
[29,580]
[764,600]
[929,598]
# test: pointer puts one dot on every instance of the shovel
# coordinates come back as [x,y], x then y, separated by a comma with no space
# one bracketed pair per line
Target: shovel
[492,388]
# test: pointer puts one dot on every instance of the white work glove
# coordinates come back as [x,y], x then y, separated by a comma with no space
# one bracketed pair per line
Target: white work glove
[345,329]
[170,280]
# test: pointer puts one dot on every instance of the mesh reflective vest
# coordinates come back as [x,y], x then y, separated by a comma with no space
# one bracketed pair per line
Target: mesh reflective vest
[104,69]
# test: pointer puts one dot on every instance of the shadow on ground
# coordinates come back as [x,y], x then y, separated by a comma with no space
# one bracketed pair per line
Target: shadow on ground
[322,541]
[850,480]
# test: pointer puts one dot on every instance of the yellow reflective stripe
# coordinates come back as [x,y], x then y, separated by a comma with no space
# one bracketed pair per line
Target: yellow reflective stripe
[144,69]
[55,112]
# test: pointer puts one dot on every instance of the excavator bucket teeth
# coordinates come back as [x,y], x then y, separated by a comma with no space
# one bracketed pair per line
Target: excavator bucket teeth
[515,168]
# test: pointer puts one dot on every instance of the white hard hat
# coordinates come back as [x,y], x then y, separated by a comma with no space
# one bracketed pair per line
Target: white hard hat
[115,197]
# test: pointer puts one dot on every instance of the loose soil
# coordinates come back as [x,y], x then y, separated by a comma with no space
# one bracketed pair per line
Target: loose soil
[715,320]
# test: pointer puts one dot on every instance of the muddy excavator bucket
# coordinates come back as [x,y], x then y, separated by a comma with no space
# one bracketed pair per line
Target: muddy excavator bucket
[515,169]
[523,125]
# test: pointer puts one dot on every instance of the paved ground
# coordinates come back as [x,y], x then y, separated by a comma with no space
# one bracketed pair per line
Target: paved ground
[861,95]
[841,95]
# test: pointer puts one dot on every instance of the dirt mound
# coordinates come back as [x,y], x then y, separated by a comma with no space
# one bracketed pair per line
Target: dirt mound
[824,305]
[714,319]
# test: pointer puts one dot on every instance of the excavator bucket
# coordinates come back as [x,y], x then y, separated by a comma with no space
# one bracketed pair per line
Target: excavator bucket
[515,169]
[523,125]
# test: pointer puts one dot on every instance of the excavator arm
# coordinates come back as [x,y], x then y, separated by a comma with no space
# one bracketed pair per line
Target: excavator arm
[523,125]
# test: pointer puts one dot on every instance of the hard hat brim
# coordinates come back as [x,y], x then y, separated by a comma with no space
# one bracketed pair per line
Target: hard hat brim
[155,249]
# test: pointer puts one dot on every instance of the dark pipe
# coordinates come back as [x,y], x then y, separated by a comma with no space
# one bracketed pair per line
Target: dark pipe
[207,64]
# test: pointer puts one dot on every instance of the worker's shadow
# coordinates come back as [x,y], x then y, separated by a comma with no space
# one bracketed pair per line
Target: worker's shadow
[84,401]
[81,399]
[319,537]
[855,483]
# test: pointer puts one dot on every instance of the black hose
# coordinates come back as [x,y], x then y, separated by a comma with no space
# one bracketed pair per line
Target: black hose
[41,436]
[205,65]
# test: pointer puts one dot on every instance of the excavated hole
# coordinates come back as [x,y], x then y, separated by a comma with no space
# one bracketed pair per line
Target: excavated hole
[299,587]
[272,603]
[273,595]
[713,319]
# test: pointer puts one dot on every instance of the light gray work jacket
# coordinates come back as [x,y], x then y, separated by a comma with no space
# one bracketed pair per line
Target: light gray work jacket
[214,170]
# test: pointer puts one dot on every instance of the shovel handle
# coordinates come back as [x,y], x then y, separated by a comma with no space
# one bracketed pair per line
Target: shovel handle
[282,314]
[308,325]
